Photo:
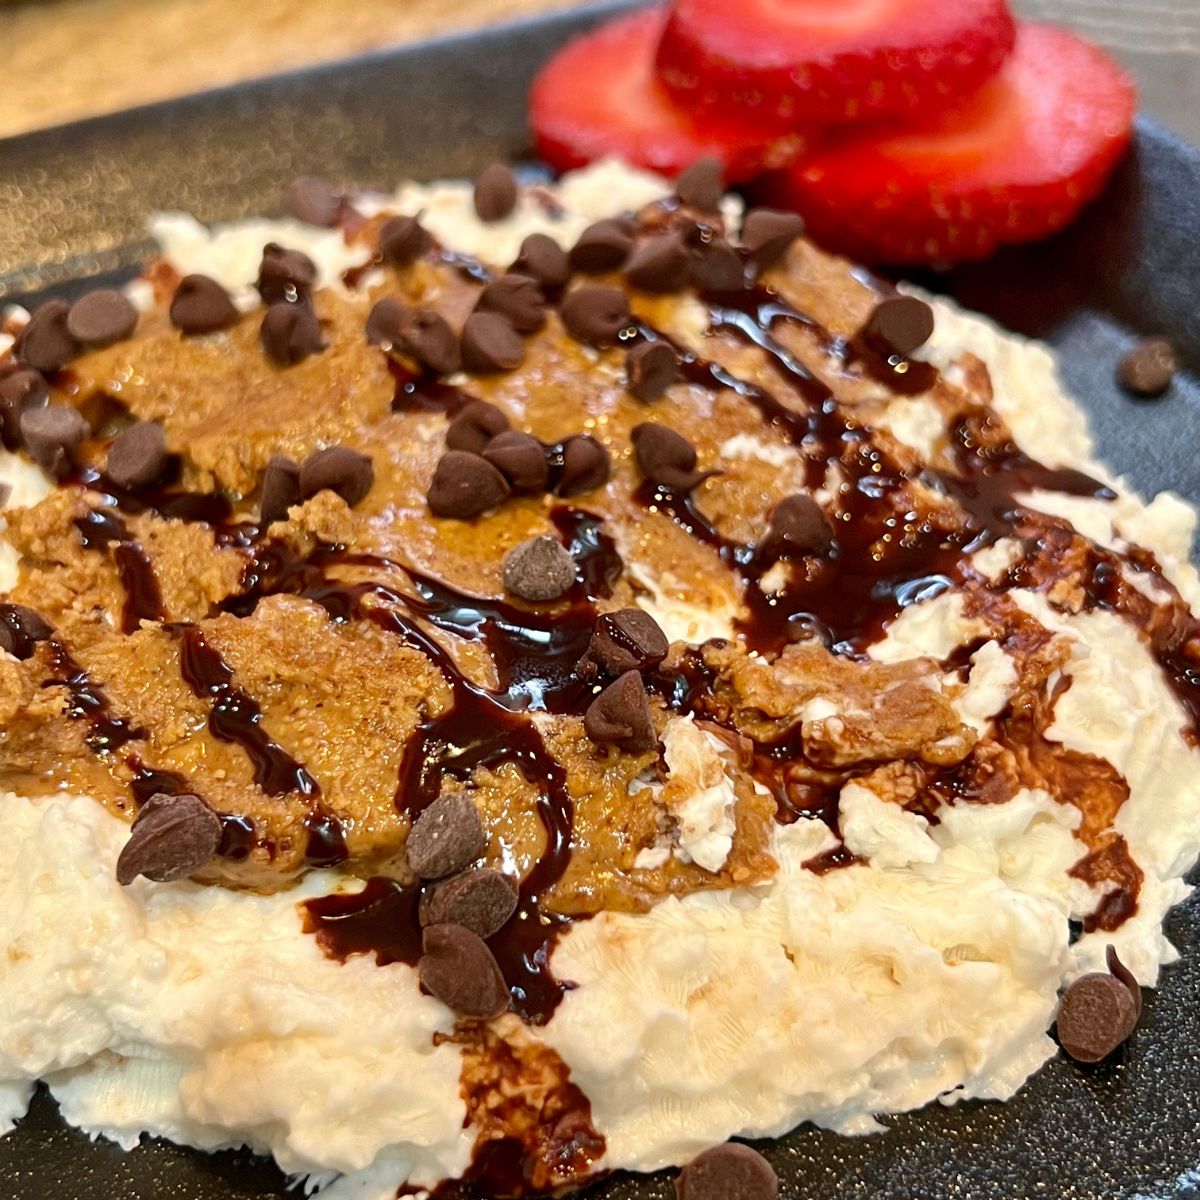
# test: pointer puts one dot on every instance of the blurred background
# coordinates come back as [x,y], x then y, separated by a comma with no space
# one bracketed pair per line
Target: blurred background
[61,60]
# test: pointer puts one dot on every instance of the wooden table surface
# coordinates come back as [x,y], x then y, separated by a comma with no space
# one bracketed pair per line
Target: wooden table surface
[65,59]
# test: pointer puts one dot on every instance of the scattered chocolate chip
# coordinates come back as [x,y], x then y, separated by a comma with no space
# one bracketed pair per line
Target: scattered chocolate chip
[899,325]
[666,457]
[1097,1014]
[543,260]
[138,456]
[315,201]
[172,837]
[768,234]
[446,838]
[465,485]
[290,333]
[1149,368]
[481,900]
[285,274]
[280,489]
[539,570]
[51,436]
[427,337]
[490,344]
[651,368]
[1126,976]
[402,240]
[620,716]
[717,267]
[20,390]
[201,305]
[46,344]
[702,185]
[337,469]
[384,322]
[521,458]
[475,427]
[21,628]
[102,317]
[458,968]
[729,1172]
[518,299]
[798,523]
[596,315]
[626,640]
[602,247]
[495,193]
[585,466]
[659,264]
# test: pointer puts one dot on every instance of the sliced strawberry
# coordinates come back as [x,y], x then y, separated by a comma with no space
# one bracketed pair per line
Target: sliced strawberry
[826,61]
[1015,162]
[599,97]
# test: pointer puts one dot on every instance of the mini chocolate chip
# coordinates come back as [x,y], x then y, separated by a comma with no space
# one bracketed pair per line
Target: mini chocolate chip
[586,466]
[21,628]
[315,201]
[1149,368]
[495,193]
[666,457]
[384,321]
[798,523]
[402,240]
[543,260]
[490,344]
[651,368]
[702,185]
[458,968]
[899,325]
[465,485]
[20,390]
[172,837]
[768,234]
[659,264]
[620,715]
[729,1172]
[475,427]
[1096,1015]
[539,570]
[51,436]
[596,315]
[626,640]
[521,458]
[46,344]
[102,317]
[285,274]
[481,900]
[518,299]
[290,333]
[427,337]
[446,838]
[280,489]
[138,456]
[201,305]
[337,469]
[717,267]
[602,247]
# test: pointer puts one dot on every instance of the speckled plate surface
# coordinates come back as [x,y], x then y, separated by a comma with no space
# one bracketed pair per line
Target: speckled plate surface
[72,206]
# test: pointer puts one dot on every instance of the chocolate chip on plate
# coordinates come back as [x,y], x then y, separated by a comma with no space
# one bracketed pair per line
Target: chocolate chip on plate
[521,458]
[384,322]
[620,716]
[481,900]
[138,455]
[490,344]
[729,1172]
[337,469]
[602,247]
[427,337]
[585,466]
[290,333]
[51,436]
[446,838]
[285,274]
[1099,1011]
[1149,368]
[495,193]
[457,967]
[280,489]
[172,837]
[799,523]
[20,390]
[402,240]
[717,267]
[46,344]
[465,485]
[543,260]
[475,427]
[539,570]
[596,315]
[102,317]
[518,299]
[626,640]
[651,368]
[659,264]
[201,305]
[899,325]
[666,458]
[315,201]
[702,185]
[768,235]
[21,629]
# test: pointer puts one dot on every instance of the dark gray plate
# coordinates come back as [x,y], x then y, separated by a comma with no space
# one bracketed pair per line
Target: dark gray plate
[72,206]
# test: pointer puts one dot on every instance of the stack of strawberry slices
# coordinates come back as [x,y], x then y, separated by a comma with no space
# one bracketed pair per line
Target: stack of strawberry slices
[904,131]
